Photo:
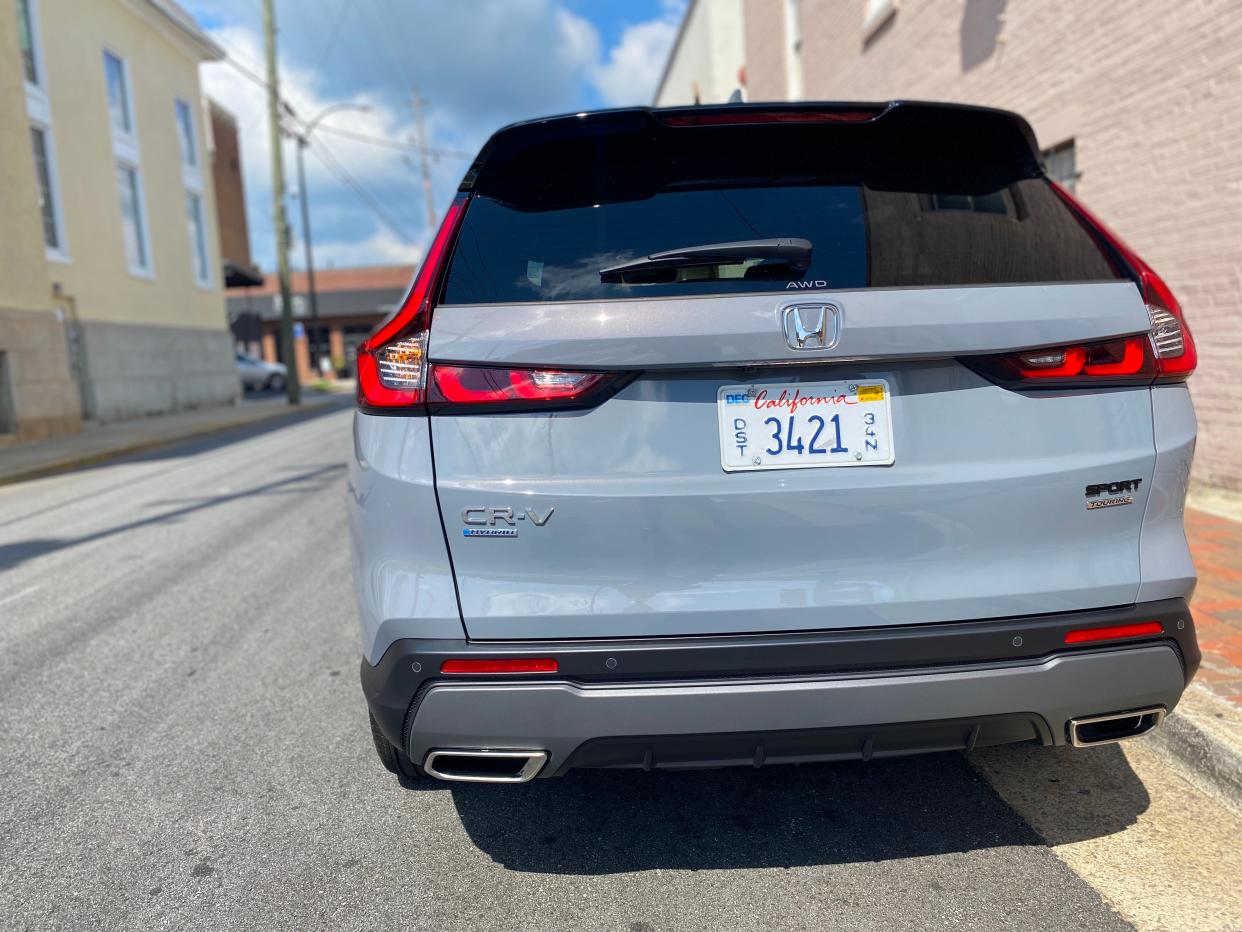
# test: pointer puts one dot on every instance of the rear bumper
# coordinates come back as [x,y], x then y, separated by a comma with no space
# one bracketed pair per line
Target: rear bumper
[829,695]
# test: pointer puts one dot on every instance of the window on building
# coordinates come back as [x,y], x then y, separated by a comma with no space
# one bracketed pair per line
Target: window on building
[198,238]
[192,179]
[1061,164]
[133,225]
[47,193]
[39,115]
[26,40]
[793,51]
[185,133]
[119,110]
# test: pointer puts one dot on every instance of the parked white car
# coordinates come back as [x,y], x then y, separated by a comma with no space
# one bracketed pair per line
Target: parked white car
[257,373]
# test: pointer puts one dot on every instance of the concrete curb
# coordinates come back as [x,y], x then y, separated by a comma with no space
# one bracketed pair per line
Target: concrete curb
[186,432]
[1203,738]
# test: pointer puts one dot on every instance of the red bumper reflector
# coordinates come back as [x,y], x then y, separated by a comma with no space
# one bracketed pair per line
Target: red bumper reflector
[521,665]
[1115,633]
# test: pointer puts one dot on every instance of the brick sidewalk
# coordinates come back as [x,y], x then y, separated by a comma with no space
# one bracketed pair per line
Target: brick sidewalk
[1216,543]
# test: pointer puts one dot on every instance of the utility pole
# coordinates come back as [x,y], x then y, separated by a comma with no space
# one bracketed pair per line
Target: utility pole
[278,207]
[423,167]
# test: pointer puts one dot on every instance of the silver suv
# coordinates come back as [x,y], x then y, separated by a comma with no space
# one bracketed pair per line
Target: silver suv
[757,434]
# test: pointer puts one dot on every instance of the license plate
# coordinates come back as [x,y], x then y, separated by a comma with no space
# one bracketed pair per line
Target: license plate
[801,425]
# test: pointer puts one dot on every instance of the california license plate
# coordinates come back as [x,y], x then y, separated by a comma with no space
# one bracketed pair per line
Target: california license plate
[801,425]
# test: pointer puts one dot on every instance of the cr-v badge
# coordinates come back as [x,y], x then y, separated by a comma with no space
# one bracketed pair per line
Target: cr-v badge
[499,522]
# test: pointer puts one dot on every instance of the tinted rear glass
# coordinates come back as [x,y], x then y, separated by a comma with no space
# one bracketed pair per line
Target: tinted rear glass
[921,216]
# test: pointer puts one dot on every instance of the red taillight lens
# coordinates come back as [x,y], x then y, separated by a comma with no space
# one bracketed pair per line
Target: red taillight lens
[482,385]
[1128,361]
[746,117]
[1172,345]
[519,665]
[392,362]
[482,388]
[1115,633]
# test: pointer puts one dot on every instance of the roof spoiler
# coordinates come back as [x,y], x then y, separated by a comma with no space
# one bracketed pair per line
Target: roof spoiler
[1008,135]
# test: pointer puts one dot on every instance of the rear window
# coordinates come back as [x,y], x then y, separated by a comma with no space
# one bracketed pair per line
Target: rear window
[879,212]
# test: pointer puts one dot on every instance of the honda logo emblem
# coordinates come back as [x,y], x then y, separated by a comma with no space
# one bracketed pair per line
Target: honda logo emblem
[811,326]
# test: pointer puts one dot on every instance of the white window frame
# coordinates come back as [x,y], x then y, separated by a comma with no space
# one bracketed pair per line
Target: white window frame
[189,169]
[192,180]
[124,142]
[127,155]
[39,116]
[38,87]
[136,269]
[59,252]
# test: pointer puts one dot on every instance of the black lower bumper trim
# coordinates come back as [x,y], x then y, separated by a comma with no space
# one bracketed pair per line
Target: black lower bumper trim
[679,752]
[411,664]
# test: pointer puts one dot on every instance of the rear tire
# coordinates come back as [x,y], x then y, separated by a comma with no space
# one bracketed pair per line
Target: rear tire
[275,383]
[392,757]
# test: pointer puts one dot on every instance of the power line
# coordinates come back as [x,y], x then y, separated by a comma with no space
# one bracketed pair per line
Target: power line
[393,144]
[336,32]
[333,164]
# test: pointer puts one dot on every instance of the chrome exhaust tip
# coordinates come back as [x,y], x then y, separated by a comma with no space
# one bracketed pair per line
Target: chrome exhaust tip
[483,765]
[1117,726]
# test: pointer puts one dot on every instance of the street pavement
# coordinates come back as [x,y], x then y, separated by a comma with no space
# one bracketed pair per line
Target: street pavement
[183,745]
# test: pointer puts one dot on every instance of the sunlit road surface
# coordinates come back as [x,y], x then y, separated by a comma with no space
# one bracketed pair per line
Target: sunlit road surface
[183,744]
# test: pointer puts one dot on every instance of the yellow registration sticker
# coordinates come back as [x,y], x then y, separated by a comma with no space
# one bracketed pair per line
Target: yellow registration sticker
[870,392]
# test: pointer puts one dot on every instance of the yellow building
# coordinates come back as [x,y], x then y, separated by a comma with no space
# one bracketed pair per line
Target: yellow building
[122,197]
[38,396]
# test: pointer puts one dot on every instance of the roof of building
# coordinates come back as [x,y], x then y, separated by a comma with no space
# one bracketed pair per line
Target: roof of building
[364,278]
[177,16]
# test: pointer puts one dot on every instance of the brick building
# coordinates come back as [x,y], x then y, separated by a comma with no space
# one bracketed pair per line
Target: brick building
[226,174]
[350,302]
[1136,108]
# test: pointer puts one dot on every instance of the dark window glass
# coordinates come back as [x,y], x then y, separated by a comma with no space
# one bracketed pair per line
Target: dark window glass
[862,237]
[51,234]
[25,39]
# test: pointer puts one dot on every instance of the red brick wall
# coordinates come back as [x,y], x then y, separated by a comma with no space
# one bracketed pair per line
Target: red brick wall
[1151,95]
[230,194]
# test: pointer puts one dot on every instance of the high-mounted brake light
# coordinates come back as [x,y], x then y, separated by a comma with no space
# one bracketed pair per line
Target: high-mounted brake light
[1171,342]
[392,362]
[501,666]
[748,117]
[1114,633]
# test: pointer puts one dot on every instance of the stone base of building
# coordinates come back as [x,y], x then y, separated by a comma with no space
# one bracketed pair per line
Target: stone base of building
[134,370]
[38,395]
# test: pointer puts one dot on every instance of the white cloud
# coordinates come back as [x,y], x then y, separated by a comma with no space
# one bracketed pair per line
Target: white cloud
[478,65]
[629,75]
[381,248]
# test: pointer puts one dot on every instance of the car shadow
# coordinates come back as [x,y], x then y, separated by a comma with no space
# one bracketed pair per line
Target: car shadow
[606,822]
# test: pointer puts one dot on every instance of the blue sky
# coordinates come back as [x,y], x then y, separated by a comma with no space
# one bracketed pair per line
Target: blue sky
[478,64]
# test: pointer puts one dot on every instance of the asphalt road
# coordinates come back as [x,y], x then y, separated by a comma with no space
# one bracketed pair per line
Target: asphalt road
[183,744]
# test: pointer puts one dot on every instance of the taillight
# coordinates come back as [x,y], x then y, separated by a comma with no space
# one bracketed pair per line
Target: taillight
[479,389]
[1126,361]
[392,362]
[1172,345]
[1165,353]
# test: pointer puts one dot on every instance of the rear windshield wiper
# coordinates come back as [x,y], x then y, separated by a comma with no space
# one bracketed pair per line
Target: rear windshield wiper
[796,253]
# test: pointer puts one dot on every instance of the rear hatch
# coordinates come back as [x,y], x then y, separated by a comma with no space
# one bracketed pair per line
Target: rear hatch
[761,443]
